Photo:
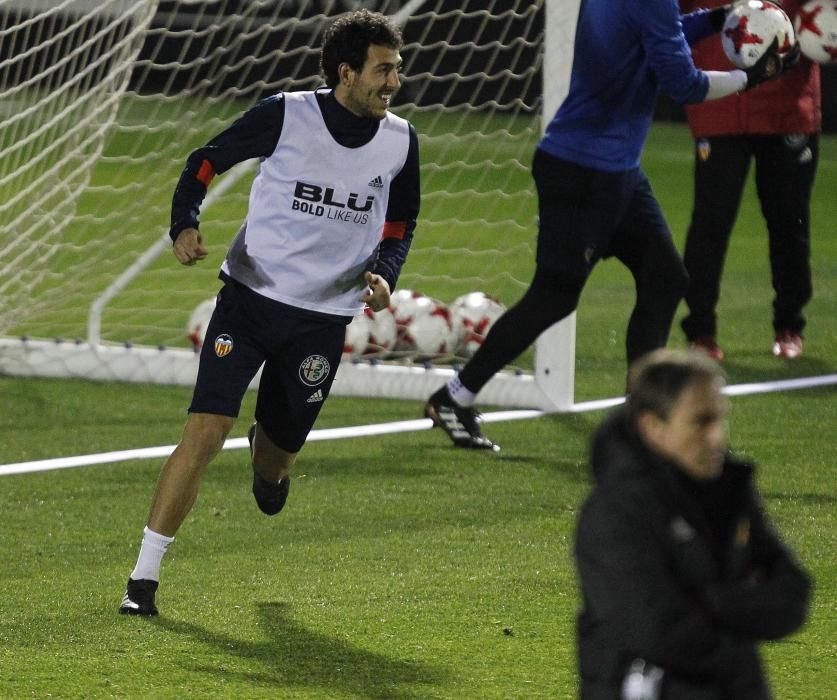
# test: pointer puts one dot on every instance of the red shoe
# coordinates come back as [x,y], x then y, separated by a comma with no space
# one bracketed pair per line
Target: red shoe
[788,344]
[707,344]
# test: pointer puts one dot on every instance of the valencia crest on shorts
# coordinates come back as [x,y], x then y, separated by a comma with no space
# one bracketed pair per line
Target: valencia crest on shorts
[223,345]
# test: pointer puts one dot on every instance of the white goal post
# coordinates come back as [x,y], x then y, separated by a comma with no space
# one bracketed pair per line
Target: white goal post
[102,100]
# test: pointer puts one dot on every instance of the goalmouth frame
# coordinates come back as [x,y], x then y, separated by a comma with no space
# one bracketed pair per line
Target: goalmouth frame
[549,388]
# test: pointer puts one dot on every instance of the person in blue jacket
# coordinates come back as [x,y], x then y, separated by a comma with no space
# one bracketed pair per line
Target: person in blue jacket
[594,199]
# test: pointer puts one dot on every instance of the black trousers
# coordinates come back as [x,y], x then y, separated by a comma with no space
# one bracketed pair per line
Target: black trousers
[785,170]
[586,215]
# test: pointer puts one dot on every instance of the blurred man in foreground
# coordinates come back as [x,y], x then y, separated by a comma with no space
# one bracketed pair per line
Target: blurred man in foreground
[681,572]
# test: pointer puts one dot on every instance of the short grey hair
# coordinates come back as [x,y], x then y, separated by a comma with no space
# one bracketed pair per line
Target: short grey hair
[656,380]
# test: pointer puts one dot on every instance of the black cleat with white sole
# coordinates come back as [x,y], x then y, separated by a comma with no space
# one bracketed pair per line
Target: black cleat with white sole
[139,598]
[461,423]
[270,496]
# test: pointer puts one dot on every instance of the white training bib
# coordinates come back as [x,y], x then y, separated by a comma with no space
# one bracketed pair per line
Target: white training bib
[316,212]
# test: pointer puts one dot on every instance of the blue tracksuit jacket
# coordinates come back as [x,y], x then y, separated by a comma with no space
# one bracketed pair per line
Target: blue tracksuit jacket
[625,51]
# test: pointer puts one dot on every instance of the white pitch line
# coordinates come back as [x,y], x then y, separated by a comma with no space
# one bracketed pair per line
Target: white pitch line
[781,385]
[404,426]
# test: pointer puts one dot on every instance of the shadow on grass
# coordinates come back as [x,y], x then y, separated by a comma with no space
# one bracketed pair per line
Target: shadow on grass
[754,368]
[805,499]
[509,458]
[573,471]
[293,656]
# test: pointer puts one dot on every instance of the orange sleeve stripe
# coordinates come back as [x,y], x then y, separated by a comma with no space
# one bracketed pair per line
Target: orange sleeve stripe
[395,229]
[205,173]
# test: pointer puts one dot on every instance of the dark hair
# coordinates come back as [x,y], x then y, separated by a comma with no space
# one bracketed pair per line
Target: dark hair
[348,39]
[656,380]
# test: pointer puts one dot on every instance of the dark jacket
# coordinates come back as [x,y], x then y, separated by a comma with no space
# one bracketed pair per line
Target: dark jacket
[686,575]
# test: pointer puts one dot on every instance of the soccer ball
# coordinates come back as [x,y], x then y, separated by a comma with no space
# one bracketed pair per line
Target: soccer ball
[357,335]
[405,303]
[199,322]
[423,324]
[382,331]
[370,333]
[816,29]
[431,330]
[473,315]
[750,29]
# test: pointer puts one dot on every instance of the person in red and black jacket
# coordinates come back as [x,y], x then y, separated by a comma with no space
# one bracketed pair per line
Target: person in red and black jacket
[776,125]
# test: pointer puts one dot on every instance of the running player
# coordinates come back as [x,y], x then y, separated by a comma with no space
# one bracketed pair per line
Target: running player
[329,225]
[594,199]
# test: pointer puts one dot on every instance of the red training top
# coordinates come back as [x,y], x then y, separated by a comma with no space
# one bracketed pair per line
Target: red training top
[790,104]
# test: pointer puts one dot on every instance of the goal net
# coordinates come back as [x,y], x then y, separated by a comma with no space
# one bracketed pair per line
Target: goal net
[102,100]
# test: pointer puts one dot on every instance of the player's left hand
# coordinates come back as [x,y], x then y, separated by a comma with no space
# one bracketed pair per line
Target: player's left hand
[769,66]
[791,57]
[377,296]
[772,64]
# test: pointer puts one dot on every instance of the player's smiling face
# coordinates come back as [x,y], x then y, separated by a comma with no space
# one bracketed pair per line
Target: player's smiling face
[369,92]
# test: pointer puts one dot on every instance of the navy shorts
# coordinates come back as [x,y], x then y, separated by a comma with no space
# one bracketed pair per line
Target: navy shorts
[300,352]
[586,215]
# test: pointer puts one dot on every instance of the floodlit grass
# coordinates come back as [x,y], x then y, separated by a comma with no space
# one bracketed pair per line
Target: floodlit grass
[401,568]
[744,312]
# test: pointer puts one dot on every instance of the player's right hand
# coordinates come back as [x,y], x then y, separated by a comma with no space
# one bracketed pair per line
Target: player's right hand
[376,295]
[188,247]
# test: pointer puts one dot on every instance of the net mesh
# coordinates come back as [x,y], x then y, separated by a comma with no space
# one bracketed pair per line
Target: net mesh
[102,102]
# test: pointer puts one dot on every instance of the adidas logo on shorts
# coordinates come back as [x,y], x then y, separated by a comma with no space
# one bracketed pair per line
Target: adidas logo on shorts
[315,397]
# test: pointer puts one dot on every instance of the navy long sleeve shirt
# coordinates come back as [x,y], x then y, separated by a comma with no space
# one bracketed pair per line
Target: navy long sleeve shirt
[255,135]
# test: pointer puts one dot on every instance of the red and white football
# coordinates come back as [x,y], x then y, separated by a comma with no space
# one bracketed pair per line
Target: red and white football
[357,335]
[750,29]
[198,323]
[371,333]
[473,315]
[816,30]
[424,325]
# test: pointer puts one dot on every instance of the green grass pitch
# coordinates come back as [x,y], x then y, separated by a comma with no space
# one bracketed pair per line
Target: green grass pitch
[401,568]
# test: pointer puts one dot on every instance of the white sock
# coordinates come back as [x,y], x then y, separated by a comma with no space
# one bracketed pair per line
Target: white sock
[460,393]
[154,546]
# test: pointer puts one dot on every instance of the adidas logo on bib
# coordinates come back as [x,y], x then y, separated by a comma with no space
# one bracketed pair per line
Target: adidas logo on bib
[376,182]
[316,397]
